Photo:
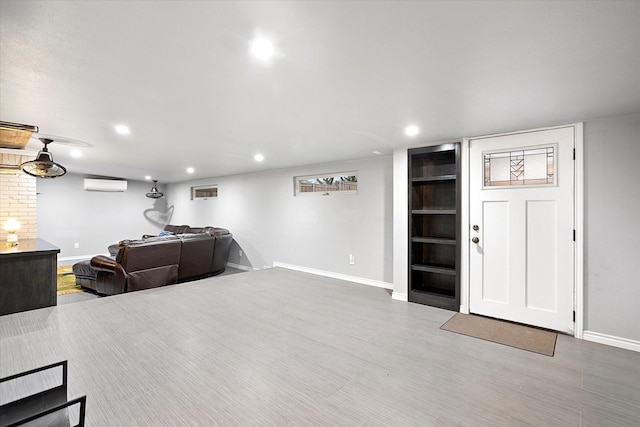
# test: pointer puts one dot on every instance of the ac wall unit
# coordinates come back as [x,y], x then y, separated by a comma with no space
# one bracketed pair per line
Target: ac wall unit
[104,184]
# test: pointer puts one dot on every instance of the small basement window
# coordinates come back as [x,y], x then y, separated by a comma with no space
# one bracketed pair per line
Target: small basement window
[204,192]
[325,184]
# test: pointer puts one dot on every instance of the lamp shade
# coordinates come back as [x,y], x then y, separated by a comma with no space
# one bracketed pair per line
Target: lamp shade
[12,225]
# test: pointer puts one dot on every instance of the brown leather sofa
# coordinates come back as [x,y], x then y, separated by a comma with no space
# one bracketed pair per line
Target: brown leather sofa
[157,261]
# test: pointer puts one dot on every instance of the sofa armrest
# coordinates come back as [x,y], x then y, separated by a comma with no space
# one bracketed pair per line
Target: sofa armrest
[111,278]
[104,263]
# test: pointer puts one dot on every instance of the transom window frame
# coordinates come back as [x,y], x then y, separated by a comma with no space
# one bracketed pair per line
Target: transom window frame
[325,189]
[524,185]
[203,189]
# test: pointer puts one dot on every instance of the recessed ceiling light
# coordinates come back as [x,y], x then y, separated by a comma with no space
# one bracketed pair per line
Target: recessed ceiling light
[76,153]
[190,170]
[411,130]
[376,152]
[262,49]
[147,177]
[122,129]
[258,157]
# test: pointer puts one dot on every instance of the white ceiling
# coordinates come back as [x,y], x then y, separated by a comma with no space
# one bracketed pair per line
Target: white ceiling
[349,76]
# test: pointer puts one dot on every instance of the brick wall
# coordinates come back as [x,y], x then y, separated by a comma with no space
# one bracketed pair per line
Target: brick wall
[18,199]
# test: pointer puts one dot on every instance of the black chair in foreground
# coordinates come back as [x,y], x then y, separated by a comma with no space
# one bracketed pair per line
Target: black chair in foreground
[38,398]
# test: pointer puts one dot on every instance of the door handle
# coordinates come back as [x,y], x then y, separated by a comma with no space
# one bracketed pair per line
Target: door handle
[475,240]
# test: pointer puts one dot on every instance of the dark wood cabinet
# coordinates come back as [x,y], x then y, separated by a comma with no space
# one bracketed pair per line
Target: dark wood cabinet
[434,226]
[28,276]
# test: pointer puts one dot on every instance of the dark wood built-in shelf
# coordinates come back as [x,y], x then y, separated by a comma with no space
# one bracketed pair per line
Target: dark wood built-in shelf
[434,240]
[434,178]
[434,226]
[434,211]
[433,269]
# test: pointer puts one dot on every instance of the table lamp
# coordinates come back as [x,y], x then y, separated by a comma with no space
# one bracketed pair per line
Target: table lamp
[12,225]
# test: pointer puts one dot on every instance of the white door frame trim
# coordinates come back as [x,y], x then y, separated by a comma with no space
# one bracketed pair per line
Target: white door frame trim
[578,222]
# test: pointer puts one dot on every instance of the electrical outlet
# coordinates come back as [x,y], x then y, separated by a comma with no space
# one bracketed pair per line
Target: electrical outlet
[240,253]
[352,259]
[76,245]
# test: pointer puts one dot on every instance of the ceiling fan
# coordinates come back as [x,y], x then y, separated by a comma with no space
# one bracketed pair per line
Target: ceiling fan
[154,193]
[43,166]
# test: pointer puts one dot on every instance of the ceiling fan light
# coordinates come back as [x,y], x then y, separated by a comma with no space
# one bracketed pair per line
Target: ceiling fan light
[43,166]
[154,193]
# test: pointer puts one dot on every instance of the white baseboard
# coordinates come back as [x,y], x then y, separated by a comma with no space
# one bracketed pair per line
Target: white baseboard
[70,260]
[338,276]
[241,267]
[611,340]
[400,296]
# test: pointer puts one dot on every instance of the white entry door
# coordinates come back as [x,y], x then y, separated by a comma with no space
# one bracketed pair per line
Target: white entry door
[521,263]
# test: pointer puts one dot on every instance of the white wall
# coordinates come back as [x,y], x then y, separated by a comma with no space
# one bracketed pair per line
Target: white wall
[67,214]
[270,224]
[612,226]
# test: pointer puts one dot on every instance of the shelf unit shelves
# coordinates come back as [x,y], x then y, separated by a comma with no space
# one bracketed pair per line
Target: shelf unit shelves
[434,226]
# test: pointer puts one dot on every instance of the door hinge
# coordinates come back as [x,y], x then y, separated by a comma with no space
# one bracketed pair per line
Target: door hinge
[574,154]
[574,316]
[574,235]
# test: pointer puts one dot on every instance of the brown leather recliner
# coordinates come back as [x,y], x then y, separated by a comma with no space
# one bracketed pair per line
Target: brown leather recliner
[139,264]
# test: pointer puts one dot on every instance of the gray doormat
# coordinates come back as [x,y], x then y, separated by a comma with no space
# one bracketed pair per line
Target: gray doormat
[502,332]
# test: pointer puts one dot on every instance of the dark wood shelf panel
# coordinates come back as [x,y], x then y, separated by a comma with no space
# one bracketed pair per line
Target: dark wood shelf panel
[434,293]
[434,240]
[434,211]
[420,179]
[434,269]
[434,299]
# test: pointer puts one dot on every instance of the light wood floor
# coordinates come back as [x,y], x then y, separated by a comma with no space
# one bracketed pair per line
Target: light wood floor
[278,347]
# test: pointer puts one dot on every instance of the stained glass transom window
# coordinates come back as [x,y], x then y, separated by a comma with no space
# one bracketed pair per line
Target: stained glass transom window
[532,166]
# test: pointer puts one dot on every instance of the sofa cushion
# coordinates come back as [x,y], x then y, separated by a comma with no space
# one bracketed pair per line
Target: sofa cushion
[133,242]
[150,253]
[83,269]
[85,274]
